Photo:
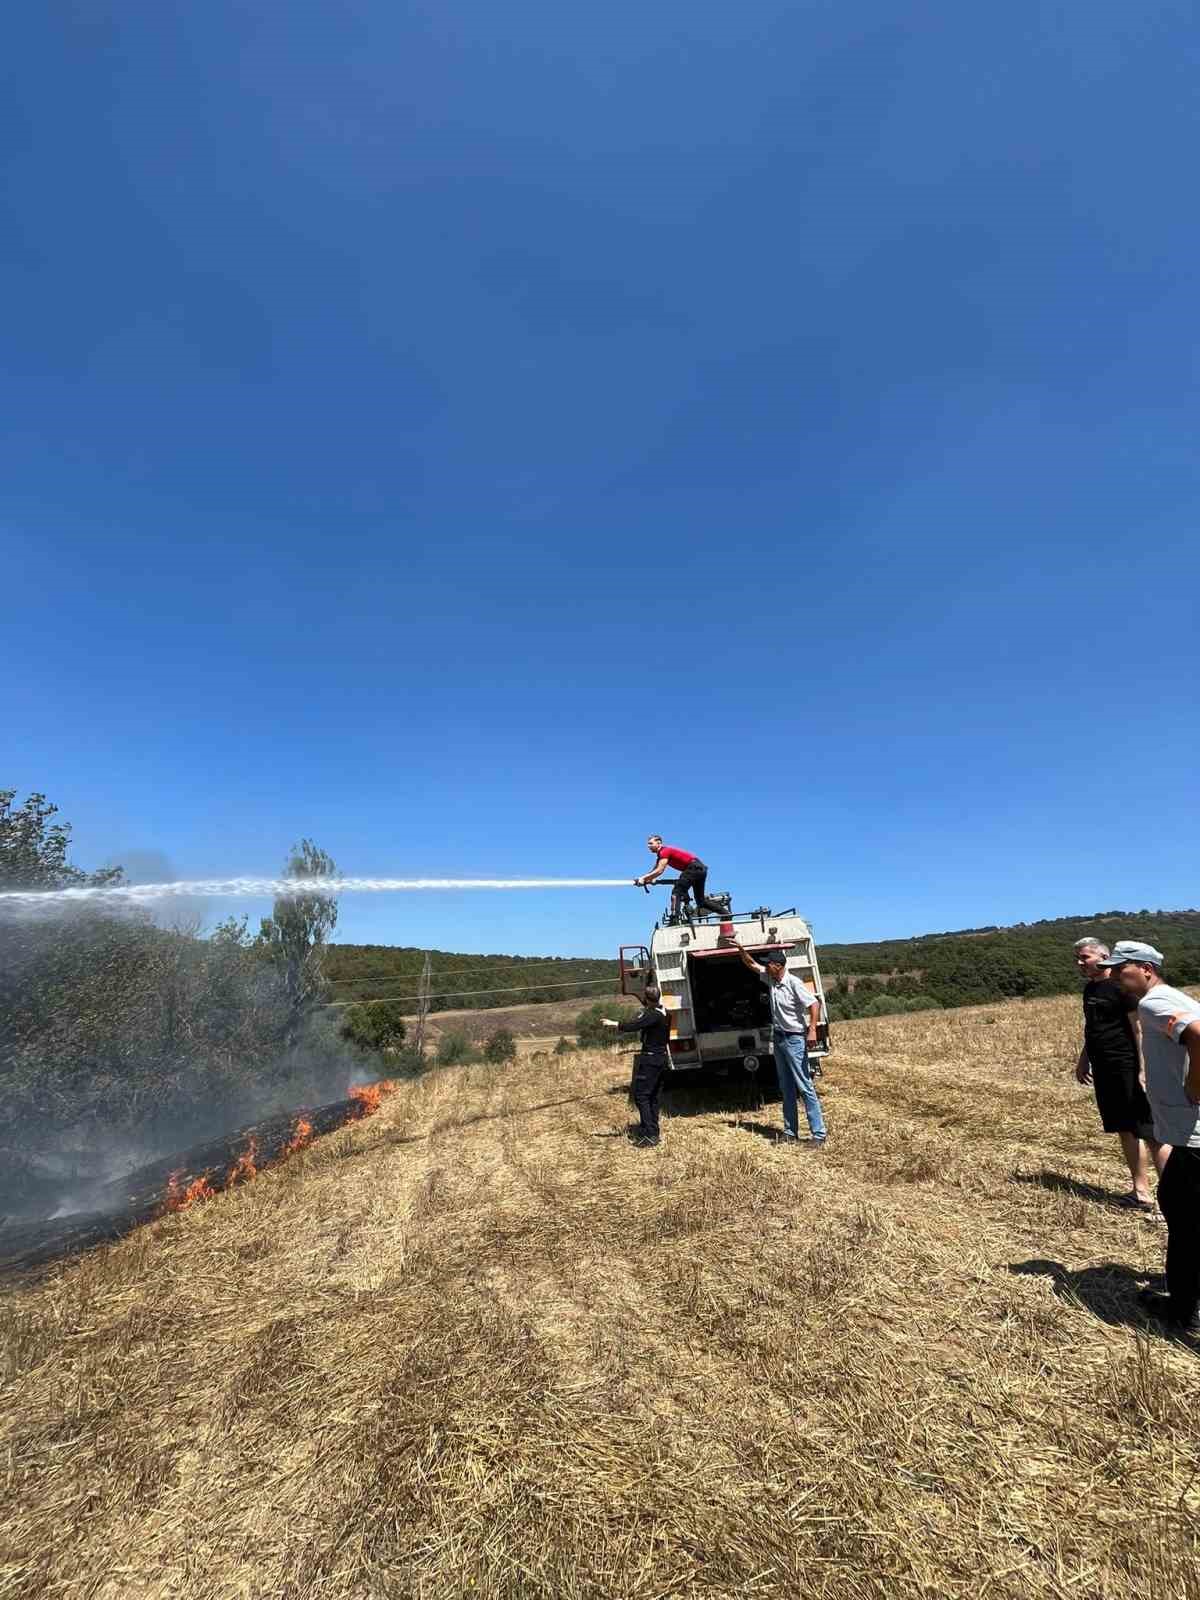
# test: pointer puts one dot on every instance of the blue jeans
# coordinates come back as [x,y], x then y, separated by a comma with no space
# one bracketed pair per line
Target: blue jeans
[791,1064]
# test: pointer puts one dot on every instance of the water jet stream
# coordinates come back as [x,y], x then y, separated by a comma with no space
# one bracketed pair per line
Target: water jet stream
[239,888]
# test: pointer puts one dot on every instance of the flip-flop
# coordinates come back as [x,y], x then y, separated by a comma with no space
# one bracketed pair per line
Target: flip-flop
[1130,1202]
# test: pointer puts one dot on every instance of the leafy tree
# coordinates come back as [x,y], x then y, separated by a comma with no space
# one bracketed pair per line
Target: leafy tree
[33,850]
[454,1050]
[296,932]
[378,1026]
[885,1005]
[591,1032]
[500,1046]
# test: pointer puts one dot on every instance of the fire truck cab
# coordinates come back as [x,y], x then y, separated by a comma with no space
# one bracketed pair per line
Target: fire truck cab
[718,1010]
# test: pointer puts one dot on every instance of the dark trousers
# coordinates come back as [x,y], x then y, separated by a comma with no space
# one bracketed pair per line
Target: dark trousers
[647,1082]
[1179,1201]
[694,877]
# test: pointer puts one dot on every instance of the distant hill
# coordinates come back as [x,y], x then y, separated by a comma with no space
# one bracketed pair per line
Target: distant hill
[972,966]
[966,967]
[463,982]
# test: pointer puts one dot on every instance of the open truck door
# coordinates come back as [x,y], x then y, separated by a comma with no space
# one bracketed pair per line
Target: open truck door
[634,966]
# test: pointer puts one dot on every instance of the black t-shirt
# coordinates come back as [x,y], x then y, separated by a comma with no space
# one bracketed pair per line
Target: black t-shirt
[652,1023]
[1107,1030]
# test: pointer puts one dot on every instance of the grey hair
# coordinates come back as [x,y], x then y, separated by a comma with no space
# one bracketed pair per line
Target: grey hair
[1092,944]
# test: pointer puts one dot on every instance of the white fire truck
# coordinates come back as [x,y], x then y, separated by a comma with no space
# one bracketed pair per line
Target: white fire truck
[719,1012]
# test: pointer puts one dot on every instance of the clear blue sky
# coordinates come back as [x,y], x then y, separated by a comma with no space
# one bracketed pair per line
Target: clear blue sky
[475,436]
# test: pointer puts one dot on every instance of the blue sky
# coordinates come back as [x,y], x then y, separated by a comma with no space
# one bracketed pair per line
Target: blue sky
[476,436]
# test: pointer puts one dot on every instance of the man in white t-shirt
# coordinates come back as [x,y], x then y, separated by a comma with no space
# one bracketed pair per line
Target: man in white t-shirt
[1170,1023]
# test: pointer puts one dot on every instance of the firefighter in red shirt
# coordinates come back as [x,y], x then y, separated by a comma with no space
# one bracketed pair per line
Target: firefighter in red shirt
[692,875]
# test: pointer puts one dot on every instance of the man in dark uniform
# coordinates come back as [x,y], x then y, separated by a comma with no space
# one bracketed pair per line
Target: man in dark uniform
[1109,1062]
[650,1063]
[693,876]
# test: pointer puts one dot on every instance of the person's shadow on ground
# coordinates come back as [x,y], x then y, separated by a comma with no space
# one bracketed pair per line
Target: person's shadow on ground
[1061,1183]
[1108,1291]
[768,1131]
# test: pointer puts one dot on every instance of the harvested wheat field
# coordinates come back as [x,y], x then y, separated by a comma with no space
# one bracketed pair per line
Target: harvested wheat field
[481,1346]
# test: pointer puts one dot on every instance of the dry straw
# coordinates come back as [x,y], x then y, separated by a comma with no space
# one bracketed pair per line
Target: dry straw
[480,1346]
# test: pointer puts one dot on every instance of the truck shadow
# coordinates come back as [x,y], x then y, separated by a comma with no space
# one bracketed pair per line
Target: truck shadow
[742,1095]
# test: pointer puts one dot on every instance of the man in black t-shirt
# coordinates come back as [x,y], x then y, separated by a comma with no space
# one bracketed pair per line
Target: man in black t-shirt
[1109,1062]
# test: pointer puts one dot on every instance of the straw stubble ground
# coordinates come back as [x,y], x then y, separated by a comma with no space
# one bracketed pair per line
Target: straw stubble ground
[480,1346]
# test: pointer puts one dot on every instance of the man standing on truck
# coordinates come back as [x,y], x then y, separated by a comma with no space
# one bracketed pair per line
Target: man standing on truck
[693,875]
[650,1063]
[795,1012]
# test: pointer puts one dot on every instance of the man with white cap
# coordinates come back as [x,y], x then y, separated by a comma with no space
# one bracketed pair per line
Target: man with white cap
[1109,1062]
[1170,1023]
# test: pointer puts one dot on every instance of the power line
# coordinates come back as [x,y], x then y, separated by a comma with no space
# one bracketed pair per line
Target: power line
[460,994]
[533,983]
[459,972]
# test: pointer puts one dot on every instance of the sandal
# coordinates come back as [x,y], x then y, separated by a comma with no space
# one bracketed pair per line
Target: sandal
[1130,1202]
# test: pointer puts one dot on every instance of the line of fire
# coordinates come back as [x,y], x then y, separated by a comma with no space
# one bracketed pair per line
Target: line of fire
[178,1181]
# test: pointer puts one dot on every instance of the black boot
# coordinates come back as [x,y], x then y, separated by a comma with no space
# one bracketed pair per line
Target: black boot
[1161,1307]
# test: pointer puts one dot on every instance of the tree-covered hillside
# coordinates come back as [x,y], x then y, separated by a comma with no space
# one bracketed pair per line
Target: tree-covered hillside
[358,972]
[976,965]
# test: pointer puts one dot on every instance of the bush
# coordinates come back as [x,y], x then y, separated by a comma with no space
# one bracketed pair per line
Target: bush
[565,1047]
[890,1005]
[378,1026]
[404,1063]
[500,1046]
[591,1032]
[455,1050]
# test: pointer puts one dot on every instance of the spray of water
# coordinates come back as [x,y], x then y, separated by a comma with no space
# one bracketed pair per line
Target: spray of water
[248,888]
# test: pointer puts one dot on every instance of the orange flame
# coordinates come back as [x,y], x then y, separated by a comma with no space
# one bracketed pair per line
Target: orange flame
[243,1169]
[369,1095]
[301,1135]
[178,1198]
[366,1097]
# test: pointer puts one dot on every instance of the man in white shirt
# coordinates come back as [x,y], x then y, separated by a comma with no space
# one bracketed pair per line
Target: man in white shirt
[795,1012]
[1170,1023]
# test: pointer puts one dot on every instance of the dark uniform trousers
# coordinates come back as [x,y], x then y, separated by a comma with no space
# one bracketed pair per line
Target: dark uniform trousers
[1179,1202]
[648,1069]
[694,877]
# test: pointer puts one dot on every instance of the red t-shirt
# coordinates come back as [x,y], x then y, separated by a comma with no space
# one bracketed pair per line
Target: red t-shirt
[674,857]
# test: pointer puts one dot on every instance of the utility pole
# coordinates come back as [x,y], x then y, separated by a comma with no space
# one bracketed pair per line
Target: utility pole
[422,1007]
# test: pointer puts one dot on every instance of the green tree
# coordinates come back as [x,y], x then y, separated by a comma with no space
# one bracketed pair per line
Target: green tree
[500,1046]
[454,1050]
[590,1030]
[295,933]
[33,850]
[377,1026]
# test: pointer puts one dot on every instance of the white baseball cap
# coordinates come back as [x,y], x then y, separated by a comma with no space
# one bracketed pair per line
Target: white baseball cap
[1133,950]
